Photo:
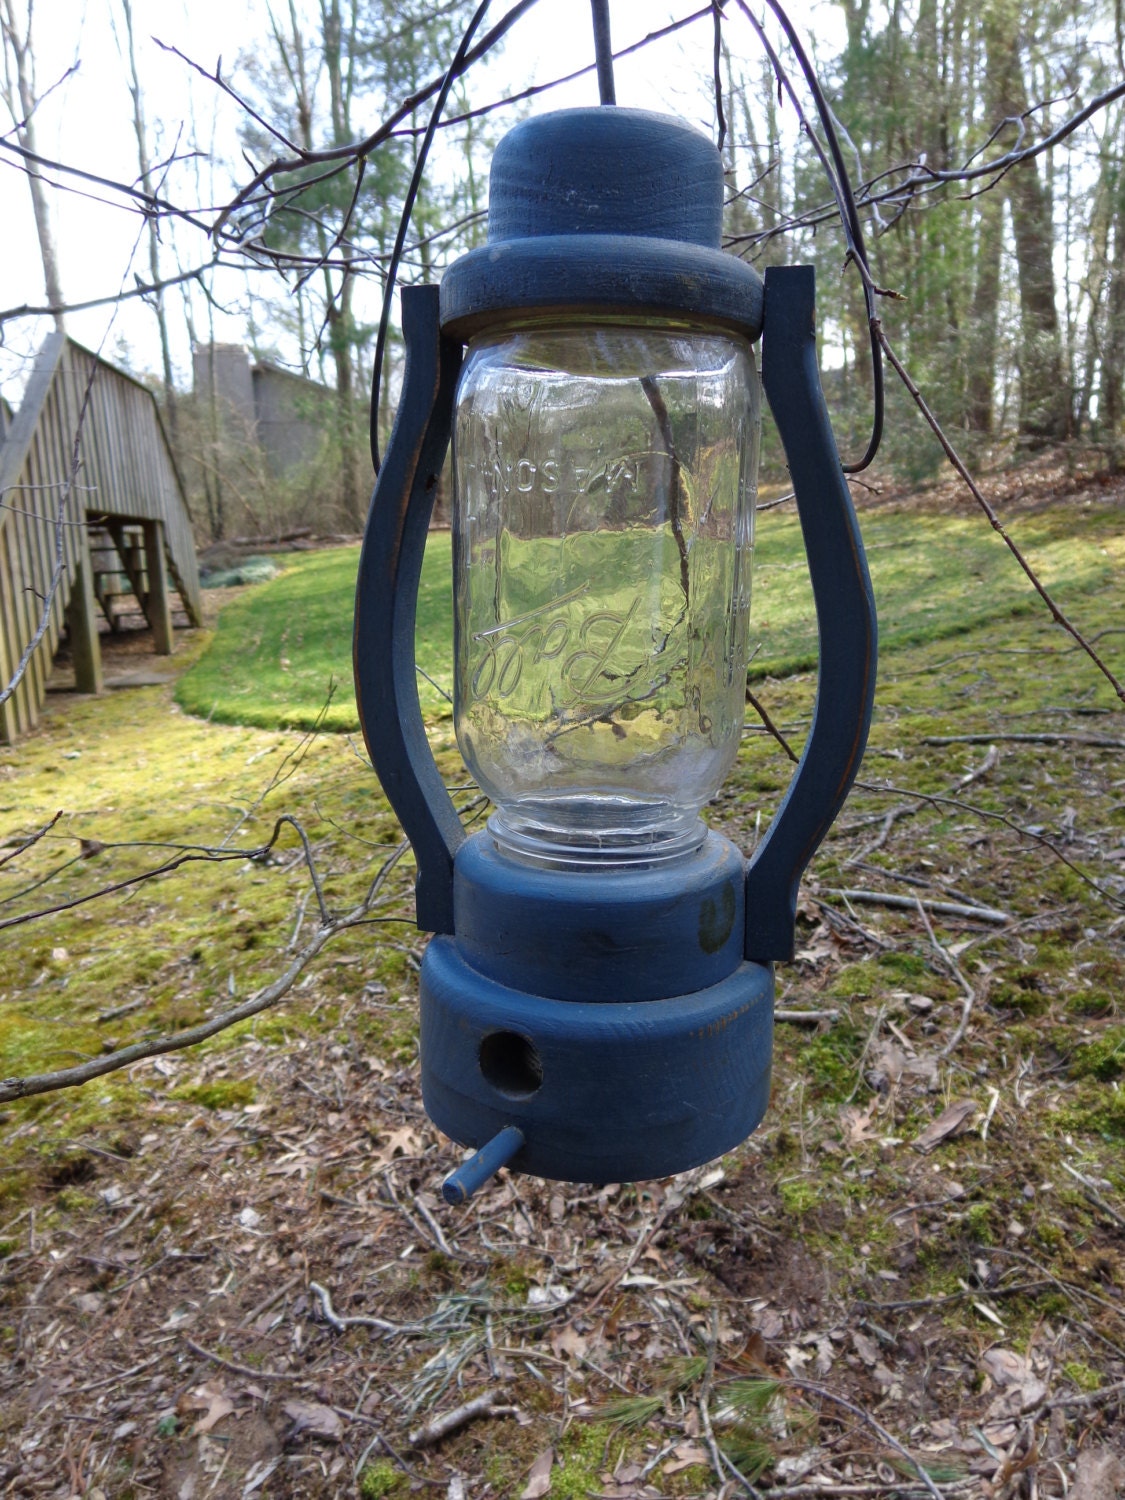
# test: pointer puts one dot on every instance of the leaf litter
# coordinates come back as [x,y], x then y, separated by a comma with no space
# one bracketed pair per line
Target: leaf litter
[911,1280]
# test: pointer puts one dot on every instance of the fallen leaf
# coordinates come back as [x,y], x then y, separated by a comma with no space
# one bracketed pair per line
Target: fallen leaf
[685,1456]
[214,1401]
[1013,1374]
[539,1480]
[924,1068]
[1005,1366]
[568,1342]
[405,1141]
[949,1123]
[857,1124]
[1100,1475]
[889,1059]
[769,1323]
[317,1421]
[867,1349]
[790,1470]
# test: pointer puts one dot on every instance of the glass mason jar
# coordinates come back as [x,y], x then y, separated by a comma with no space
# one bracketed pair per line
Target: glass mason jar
[604,483]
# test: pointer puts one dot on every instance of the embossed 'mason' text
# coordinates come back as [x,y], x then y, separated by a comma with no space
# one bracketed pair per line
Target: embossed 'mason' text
[549,475]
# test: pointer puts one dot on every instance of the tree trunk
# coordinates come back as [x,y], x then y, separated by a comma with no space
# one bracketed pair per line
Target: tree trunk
[1044,400]
[153,233]
[1113,347]
[19,95]
[340,338]
[980,351]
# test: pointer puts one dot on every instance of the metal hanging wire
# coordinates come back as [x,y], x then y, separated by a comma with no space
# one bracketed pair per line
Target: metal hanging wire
[603,51]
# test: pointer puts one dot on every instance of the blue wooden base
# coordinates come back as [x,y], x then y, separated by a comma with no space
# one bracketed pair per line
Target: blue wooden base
[601,935]
[602,1092]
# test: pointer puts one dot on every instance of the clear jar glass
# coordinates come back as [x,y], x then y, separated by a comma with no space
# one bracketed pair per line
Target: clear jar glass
[604,481]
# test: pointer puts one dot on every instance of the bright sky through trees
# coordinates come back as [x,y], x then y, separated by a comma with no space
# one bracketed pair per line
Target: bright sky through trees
[86,122]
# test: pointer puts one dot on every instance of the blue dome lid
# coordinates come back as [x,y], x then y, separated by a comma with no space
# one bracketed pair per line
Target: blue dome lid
[606,171]
[604,212]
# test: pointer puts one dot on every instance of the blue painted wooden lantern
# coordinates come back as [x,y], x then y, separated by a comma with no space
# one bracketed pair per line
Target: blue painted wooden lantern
[596,1003]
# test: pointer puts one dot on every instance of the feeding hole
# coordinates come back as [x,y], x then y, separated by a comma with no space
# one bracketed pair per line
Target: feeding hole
[511,1064]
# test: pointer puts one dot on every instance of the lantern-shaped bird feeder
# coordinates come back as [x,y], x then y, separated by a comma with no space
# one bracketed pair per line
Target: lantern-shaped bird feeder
[597,1000]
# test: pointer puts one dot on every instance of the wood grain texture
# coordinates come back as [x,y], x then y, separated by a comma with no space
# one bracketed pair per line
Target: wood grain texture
[77,405]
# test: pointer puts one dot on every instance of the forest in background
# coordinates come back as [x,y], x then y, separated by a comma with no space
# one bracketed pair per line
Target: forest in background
[984,144]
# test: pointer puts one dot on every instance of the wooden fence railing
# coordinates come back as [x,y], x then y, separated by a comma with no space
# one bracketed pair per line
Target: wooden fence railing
[87,446]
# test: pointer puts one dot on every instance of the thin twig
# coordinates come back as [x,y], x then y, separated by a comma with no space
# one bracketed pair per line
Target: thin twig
[936,800]
[941,908]
[720,1461]
[760,709]
[1096,740]
[993,519]
[264,999]
[877,1427]
[230,1364]
[32,838]
[954,968]
[1095,1197]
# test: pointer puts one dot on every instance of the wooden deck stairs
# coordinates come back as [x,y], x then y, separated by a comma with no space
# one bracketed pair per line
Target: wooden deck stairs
[92,510]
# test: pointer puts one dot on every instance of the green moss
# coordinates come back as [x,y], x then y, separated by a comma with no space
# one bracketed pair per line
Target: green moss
[580,1459]
[1025,1000]
[830,1060]
[379,1479]
[1050,1235]
[73,1201]
[1092,1004]
[799,1198]
[905,966]
[1103,1058]
[13,1185]
[1082,1376]
[223,1093]
[856,981]
[516,1285]
[1099,1109]
[978,1222]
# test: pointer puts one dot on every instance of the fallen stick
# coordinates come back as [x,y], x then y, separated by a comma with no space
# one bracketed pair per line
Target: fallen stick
[807,1017]
[1095,1197]
[451,1421]
[342,1323]
[943,908]
[1097,740]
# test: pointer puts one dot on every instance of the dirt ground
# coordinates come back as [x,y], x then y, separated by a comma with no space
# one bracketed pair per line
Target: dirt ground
[911,1281]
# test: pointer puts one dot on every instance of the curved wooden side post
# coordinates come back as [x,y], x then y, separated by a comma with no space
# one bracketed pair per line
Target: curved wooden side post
[386,602]
[845,614]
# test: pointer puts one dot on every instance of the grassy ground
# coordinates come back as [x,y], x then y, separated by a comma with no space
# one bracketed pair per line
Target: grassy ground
[281,649]
[927,1233]
[285,646]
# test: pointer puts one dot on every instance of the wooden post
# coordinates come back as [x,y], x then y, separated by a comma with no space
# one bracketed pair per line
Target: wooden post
[158,605]
[82,623]
[9,725]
